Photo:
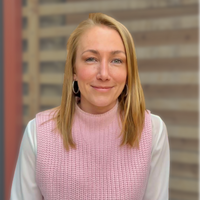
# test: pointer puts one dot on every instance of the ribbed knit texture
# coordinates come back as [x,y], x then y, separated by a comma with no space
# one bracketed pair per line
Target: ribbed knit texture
[98,169]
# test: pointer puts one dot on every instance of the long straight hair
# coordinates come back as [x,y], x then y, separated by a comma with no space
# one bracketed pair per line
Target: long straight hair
[131,100]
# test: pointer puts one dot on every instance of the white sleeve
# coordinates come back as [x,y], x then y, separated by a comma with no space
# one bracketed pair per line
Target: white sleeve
[158,182]
[24,186]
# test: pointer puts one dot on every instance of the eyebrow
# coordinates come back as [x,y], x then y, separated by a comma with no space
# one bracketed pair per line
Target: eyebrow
[118,51]
[91,50]
[96,52]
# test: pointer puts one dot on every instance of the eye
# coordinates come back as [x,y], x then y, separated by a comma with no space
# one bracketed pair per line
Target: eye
[91,59]
[117,61]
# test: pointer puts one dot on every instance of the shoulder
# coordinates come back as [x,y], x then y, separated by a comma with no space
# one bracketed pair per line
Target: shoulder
[46,116]
[31,130]
[29,138]
[159,132]
[157,122]
[50,112]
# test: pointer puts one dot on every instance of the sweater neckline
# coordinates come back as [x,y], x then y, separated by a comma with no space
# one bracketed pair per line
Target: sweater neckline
[103,119]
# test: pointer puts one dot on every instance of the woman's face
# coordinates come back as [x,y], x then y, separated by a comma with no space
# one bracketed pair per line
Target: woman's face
[100,69]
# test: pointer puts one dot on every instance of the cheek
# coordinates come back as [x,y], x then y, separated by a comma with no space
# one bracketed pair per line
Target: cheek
[84,74]
[120,76]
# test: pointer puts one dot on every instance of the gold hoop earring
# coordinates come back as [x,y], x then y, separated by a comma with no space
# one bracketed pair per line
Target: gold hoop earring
[75,92]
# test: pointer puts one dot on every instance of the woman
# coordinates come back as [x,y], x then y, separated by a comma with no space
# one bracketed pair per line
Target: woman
[100,143]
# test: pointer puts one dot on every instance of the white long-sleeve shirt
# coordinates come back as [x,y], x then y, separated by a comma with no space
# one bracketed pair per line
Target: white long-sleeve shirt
[24,185]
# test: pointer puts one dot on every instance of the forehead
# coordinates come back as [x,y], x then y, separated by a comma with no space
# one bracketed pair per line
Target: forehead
[102,37]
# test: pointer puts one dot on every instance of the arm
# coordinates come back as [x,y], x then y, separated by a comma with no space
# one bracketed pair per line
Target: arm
[158,182]
[24,185]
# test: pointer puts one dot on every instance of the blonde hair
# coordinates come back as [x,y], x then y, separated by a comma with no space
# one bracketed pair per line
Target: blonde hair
[132,105]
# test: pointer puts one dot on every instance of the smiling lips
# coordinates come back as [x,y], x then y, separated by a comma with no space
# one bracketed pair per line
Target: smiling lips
[102,89]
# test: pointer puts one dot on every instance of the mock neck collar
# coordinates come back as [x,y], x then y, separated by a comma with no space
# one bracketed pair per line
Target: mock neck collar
[103,119]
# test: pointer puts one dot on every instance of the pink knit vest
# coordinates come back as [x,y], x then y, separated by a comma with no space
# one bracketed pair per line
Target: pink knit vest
[98,169]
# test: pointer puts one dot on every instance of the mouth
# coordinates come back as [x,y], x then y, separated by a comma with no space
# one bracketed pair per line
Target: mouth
[102,88]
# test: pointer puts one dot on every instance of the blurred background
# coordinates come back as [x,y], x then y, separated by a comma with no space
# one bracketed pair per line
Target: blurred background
[165,33]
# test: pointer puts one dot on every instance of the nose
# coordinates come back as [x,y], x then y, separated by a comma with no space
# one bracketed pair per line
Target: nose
[103,71]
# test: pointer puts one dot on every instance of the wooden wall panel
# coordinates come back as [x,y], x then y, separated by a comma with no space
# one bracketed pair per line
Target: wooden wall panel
[105,6]
[32,58]
[139,13]
[166,37]
[152,24]
[184,36]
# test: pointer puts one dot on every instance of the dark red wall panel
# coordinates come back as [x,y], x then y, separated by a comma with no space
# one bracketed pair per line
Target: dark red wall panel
[12,88]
